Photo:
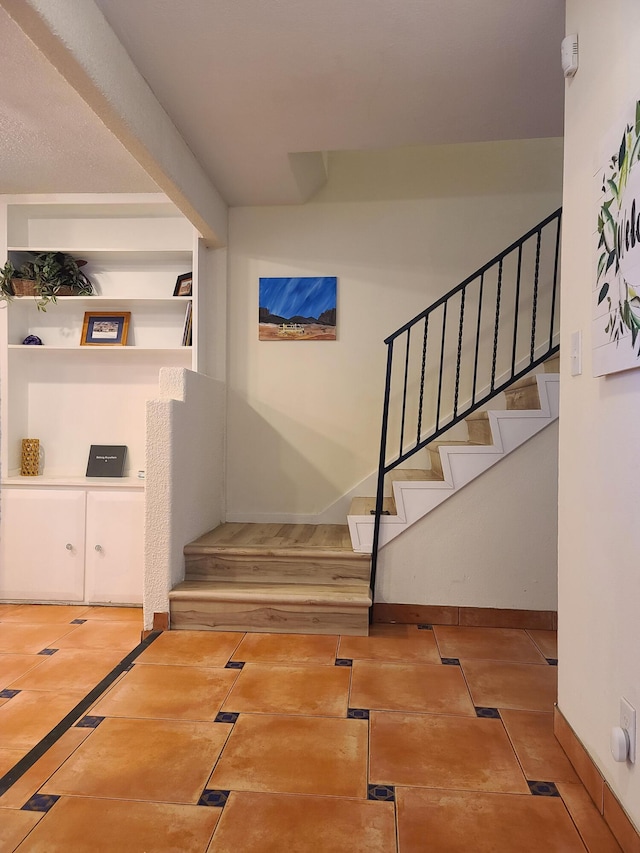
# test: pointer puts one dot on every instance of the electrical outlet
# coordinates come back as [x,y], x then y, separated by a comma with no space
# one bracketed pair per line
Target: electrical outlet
[628,723]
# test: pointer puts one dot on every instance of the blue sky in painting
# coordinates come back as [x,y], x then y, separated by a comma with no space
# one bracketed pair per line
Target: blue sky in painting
[304,297]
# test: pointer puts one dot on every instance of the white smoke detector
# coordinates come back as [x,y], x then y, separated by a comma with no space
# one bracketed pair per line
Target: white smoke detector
[570,55]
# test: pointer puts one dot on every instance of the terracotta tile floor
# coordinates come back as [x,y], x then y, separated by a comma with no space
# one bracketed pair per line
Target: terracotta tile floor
[408,740]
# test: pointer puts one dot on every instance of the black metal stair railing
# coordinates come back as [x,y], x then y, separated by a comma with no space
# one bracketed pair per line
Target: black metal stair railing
[469,346]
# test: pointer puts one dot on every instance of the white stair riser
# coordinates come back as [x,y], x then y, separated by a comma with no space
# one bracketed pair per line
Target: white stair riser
[414,499]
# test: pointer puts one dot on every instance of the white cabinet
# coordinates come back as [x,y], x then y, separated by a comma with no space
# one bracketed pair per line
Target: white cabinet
[114,547]
[72,545]
[42,544]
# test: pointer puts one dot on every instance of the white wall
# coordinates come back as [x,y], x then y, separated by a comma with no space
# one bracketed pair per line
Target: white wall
[398,229]
[472,551]
[599,457]
[185,477]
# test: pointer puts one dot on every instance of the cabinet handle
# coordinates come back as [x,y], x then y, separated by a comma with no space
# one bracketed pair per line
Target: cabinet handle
[98,547]
[69,546]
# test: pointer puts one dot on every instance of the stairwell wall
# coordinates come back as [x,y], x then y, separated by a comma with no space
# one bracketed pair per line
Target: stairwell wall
[599,456]
[494,544]
[398,229]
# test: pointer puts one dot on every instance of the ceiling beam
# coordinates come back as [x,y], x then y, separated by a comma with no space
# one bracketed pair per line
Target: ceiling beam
[77,40]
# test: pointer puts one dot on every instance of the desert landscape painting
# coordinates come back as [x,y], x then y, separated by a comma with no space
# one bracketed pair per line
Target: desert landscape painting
[297,309]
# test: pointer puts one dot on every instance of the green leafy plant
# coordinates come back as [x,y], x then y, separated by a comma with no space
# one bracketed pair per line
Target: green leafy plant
[54,274]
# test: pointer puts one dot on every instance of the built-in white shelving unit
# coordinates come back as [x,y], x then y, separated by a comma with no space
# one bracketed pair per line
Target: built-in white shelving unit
[71,396]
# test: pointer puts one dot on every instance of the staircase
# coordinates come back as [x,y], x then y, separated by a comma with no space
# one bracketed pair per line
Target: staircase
[274,578]
[478,345]
[531,405]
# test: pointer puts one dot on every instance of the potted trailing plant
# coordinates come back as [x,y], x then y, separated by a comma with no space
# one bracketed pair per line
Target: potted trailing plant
[47,276]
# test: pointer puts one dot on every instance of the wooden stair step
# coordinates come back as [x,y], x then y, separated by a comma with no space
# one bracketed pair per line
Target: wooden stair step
[436,459]
[367,505]
[265,592]
[230,554]
[252,538]
[523,394]
[271,608]
[479,427]
[277,568]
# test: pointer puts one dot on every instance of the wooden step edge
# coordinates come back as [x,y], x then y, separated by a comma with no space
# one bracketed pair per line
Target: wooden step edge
[527,381]
[412,475]
[329,596]
[296,552]
[442,442]
[478,415]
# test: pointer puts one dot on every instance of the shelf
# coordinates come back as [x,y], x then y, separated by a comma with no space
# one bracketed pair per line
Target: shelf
[111,300]
[44,481]
[90,348]
[126,255]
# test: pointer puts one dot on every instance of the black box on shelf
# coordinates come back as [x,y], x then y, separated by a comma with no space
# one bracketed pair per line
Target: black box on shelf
[106,460]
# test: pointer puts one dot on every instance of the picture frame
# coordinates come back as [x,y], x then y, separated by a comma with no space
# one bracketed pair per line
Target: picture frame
[105,328]
[184,285]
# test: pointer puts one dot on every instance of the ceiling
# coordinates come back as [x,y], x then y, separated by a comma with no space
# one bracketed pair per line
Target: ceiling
[248,83]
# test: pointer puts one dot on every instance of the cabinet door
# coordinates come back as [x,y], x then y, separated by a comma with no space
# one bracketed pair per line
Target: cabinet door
[42,544]
[115,547]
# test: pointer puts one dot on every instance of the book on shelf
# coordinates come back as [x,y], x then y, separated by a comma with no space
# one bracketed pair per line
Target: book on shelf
[187,331]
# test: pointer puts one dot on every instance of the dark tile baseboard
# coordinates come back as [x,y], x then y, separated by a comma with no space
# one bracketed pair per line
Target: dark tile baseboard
[603,797]
[476,617]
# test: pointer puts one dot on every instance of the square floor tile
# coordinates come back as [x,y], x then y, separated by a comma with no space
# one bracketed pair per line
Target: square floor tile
[593,830]
[114,614]
[281,822]
[103,634]
[27,718]
[424,688]
[44,613]
[510,644]
[168,692]
[296,755]
[403,643]
[25,639]
[70,669]
[192,648]
[27,785]
[459,821]
[154,760]
[288,648]
[278,689]
[15,826]
[539,753]
[546,641]
[8,759]
[14,666]
[443,752]
[524,686]
[85,825]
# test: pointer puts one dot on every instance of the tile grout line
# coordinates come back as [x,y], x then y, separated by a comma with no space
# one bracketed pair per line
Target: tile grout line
[36,752]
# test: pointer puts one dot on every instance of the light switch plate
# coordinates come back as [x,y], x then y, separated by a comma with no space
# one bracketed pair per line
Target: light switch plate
[576,353]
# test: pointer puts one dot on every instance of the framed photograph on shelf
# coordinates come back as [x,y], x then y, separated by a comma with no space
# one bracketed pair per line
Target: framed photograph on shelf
[105,328]
[184,285]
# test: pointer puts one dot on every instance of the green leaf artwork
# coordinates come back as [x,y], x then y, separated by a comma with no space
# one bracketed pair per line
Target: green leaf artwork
[618,229]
